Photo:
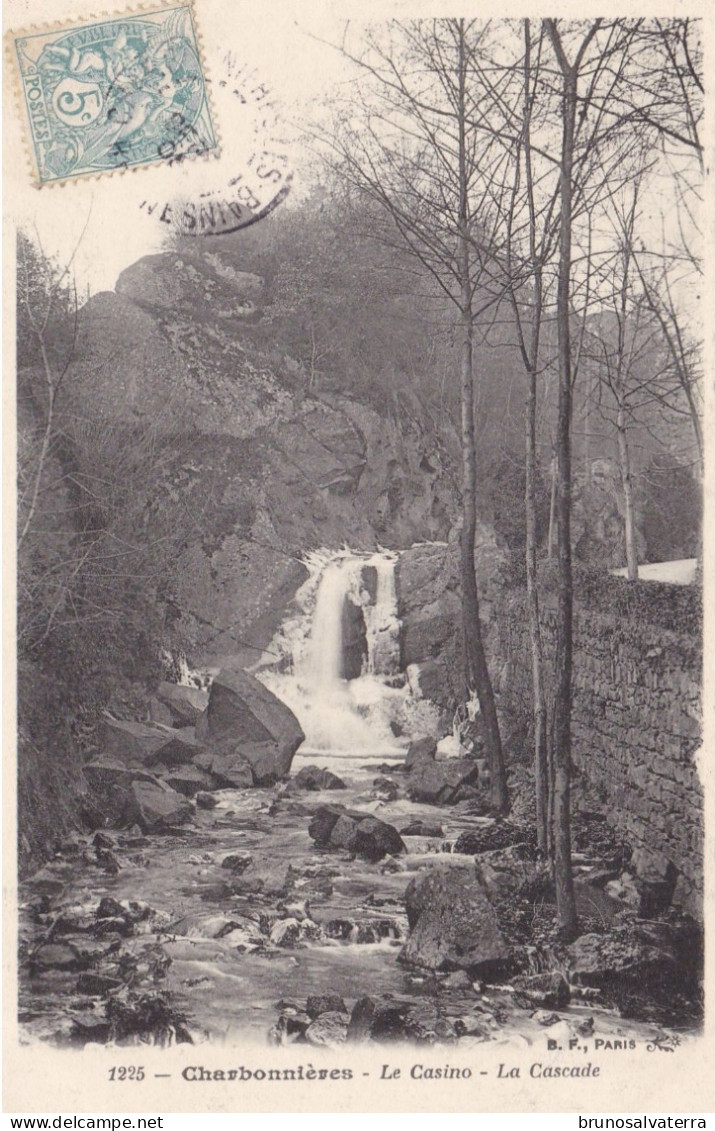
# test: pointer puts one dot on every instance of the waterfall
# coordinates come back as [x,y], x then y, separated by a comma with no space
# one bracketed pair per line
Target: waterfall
[381,621]
[322,663]
[340,666]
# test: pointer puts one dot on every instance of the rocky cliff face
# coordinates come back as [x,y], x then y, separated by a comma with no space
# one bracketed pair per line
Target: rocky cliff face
[265,467]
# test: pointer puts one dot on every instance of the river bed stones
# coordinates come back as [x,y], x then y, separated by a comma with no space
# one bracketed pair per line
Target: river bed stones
[423,828]
[548,991]
[354,831]
[438,783]
[387,1018]
[327,926]
[330,1030]
[317,778]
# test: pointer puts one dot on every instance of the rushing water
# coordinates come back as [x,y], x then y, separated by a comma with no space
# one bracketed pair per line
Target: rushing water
[215,936]
[225,972]
[370,714]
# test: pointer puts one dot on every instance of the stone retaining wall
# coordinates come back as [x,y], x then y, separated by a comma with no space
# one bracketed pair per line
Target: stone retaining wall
[636,728]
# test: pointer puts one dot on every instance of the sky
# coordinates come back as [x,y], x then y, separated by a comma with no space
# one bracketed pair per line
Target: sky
[101,223]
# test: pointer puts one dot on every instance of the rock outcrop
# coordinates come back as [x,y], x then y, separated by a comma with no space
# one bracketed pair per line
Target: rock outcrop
[271,466]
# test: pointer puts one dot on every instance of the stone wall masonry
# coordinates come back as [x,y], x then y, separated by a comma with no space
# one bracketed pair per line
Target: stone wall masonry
[635,736]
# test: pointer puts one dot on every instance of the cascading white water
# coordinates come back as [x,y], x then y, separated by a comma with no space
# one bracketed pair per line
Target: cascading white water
[322,662]
[381,621]
[340,716]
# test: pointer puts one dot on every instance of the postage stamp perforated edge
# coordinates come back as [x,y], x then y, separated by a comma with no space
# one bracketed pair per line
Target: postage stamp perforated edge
[13,69]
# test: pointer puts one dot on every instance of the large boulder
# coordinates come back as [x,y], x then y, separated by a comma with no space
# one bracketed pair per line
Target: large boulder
[452,923]
[185,704]
[438,783]
[188,780]
[420,750]
[361,833]
[618,959]
[315,778]
[510,872]
[387,1018]
[323,822]
[245,719]
[131,743]
[328,1031]
[325,1003]
[110,781]
[160,713]
[231,771]
[180,749]
[491,836]
[105,773]
[375,838]
[156,807]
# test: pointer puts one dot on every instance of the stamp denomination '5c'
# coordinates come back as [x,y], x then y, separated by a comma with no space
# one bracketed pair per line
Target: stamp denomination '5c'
[115,93]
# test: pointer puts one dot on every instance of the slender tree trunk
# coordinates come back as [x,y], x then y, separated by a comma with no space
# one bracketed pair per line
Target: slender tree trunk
[624,458]
[561,752]
[541,769]
[541,755]
[476,669]
[552,509]
[587,427]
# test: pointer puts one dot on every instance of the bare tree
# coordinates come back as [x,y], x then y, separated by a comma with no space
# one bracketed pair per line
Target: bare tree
[530,225]
[44,296]
[414,145]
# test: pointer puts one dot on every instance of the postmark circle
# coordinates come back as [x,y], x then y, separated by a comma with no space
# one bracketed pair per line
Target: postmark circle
[254,174]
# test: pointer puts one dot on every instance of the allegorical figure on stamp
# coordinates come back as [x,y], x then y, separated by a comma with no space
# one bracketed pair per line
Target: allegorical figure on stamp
[116,93]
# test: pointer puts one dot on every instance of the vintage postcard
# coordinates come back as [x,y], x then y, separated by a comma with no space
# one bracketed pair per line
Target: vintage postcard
[359,406]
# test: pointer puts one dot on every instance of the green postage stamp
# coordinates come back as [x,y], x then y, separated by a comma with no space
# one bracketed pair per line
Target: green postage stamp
[115,93]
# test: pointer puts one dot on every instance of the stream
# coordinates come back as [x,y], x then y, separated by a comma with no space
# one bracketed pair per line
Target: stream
[213,947]
[220,930]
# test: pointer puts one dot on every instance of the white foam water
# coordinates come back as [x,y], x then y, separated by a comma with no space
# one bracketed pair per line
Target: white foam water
[346,717]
